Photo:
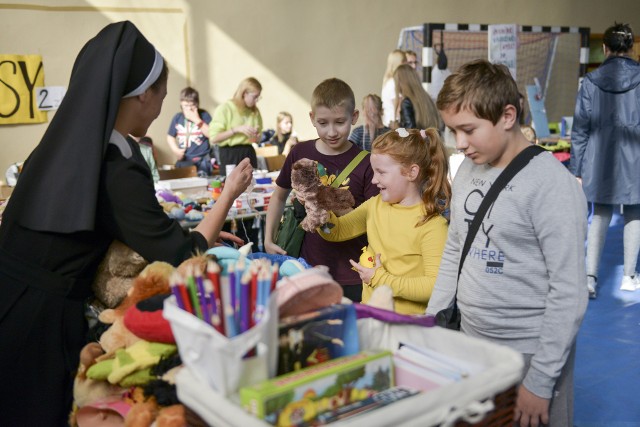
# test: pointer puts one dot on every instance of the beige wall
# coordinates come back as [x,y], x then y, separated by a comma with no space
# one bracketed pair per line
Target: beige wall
[289,45]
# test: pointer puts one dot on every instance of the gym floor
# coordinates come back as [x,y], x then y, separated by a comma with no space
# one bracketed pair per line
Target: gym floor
[607,376]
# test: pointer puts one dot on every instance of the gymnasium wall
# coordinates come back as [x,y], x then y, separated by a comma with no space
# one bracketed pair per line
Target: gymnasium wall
[289,45]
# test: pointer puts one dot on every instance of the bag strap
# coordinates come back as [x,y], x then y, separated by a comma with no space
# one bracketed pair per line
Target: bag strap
[520,161]
[350,167]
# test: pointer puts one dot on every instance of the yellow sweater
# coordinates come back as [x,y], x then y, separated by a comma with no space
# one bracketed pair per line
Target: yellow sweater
[410,255]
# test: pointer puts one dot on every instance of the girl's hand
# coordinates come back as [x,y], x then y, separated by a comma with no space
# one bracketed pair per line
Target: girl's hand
[366,274]
[239,178]
[224,235]
[248,130]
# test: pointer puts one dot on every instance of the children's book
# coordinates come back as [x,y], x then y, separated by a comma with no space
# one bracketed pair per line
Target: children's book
[449,366]
[410,374]
[315,337]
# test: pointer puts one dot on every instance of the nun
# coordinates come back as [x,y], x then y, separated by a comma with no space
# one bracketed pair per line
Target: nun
[84,185]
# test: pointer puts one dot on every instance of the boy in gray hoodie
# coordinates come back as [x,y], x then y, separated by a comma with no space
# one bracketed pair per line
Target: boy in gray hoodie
[522,283]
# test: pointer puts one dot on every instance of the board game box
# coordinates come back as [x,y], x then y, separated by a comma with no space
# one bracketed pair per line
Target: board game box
[300,396]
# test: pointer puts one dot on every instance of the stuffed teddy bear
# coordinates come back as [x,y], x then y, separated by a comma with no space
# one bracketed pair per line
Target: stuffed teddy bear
[318,199]
[120,266]
[153,280]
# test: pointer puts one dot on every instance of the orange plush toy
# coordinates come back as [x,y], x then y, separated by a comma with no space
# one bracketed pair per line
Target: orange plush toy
[153,280]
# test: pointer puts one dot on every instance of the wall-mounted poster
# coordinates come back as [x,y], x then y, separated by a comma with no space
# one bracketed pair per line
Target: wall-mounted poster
[503,45]
[20,75]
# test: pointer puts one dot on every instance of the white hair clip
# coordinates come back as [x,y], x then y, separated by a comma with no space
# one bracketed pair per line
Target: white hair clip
[423,134]
[402,132]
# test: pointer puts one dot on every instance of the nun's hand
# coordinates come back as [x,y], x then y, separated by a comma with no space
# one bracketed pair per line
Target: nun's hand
[239,178]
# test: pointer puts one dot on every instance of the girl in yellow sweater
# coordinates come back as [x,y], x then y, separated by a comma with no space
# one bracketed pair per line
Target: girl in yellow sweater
[404,224]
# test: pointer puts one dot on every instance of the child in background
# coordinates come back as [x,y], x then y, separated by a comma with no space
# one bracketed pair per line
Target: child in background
[332,114]
[388,93]
[362,135]
[404,223]
[285,138]
[522,284]
[148,152]
[188,134]
[416,109]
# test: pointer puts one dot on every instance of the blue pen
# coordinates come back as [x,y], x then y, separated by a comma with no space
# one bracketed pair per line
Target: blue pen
[227,308]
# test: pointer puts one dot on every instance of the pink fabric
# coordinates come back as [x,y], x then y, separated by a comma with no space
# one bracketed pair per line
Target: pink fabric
[103,414]
[306,291]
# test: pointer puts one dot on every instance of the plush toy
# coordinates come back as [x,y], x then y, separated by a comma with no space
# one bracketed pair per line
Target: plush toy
[153,280]
[86,390]
[318,199]
[120,266]
[382,297]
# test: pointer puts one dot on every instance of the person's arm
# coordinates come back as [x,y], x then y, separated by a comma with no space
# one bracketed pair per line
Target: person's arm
[346,227]
[234,185]
[419,288]
[581,128]
[274,214]
[173,145]
[446,284]
[293,140]
[407,114]
[564,256]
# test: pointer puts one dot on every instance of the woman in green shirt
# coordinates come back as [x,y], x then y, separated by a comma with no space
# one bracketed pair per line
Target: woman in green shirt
[236,125]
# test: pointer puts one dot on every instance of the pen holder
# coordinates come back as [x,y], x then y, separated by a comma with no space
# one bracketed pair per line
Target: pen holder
[220,360]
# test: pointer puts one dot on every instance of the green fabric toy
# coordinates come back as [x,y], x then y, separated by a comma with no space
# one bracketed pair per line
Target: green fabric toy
[139,356]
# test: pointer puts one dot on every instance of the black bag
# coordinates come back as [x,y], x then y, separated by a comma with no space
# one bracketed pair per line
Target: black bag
[290,235]
[450,317]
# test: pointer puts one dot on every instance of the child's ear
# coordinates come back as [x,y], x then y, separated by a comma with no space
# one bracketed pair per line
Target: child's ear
[510,116]
[355,116]
[413,172]
[311,116]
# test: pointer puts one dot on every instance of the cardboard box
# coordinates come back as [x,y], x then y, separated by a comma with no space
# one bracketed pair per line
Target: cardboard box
[193,186]
[5,191]
[267,151]
[316,389]
[274,163]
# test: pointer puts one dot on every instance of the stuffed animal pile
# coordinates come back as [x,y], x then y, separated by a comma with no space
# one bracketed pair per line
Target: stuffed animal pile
[318,199]
[124,378]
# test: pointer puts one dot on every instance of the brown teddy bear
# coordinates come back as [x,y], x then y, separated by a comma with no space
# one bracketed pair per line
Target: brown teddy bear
[318,199]
[153,280]
[115,275]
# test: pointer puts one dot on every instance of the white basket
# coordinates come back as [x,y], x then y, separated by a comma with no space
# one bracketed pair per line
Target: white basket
[503,369]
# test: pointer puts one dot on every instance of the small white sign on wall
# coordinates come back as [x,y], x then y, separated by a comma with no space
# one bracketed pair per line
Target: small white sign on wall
[49,97]
[503,45]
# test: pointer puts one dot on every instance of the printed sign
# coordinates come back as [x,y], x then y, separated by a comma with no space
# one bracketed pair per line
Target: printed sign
[19,77]
[503,45]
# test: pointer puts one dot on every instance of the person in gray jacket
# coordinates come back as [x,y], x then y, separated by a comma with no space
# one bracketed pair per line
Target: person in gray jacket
[605,151]
[522,282]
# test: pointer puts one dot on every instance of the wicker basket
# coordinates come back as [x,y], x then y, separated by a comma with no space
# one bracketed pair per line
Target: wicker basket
[502,415]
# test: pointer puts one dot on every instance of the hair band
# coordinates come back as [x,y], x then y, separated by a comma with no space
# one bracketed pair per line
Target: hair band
[423,134]
[153,75]
[402,132]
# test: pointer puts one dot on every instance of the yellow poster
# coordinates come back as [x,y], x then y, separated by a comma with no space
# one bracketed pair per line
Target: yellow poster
[20,75]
